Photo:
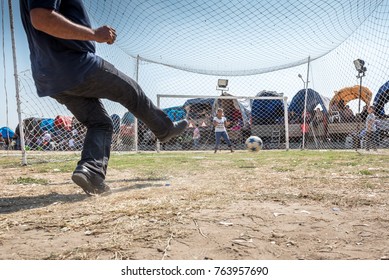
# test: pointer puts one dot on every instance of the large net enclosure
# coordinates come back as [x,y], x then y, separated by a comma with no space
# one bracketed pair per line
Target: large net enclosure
[298,74]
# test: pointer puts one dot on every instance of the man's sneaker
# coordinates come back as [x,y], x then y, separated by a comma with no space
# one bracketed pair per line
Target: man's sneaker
[92,184]
[178,128]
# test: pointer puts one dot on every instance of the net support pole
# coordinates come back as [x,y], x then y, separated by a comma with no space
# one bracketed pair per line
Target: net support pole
[360,94]
[159,106]
[360,76]
[286,118]
[305,104]
[21,127]
[136,126]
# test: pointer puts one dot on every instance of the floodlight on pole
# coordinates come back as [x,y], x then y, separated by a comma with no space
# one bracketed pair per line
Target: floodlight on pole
[361,68]
[222,85]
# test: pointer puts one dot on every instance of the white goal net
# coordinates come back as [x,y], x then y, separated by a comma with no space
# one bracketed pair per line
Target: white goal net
[182,48]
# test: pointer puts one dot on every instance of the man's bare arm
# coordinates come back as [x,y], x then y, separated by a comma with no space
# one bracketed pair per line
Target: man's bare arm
[55,24]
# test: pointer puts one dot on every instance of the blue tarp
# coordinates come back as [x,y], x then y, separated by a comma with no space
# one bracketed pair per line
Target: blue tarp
[381,98]
[47,125]
[6,132]
[128,118]
[313,99]
[268,111]
[176,113]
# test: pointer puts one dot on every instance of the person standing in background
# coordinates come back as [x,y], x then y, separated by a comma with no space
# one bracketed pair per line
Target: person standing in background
[220,122]
[196,137]
[371,130]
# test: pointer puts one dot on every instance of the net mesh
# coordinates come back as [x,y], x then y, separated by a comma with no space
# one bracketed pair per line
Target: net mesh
[232,37]
[183,47]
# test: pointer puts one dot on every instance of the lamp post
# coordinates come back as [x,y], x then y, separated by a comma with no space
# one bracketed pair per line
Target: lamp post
[360,67]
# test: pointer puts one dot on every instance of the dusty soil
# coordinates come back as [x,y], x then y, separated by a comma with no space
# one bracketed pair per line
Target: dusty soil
[250,213]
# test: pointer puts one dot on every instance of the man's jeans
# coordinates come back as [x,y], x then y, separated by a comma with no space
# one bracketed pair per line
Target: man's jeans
[219,135]
[85,104]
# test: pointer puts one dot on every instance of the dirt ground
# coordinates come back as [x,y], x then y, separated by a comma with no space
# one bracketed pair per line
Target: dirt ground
[255,212]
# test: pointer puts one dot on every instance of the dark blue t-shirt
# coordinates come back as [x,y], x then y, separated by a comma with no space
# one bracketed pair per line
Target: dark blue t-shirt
[58,64]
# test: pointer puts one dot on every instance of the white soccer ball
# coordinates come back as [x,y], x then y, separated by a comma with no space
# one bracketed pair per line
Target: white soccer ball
[254,143]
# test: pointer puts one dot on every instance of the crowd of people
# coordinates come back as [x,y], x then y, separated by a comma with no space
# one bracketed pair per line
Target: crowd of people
[69,138]
[72,138]
[367,137]
[49,138]
[342,113]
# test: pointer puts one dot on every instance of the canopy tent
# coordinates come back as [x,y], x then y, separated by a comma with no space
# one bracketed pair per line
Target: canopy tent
[267,111]
[47,125]
[198,108]
[236,110]
[31,127]
[200,102]
[63,122]
[128,118]
[381,98]
[6,132]
[313,100]
[350,93]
